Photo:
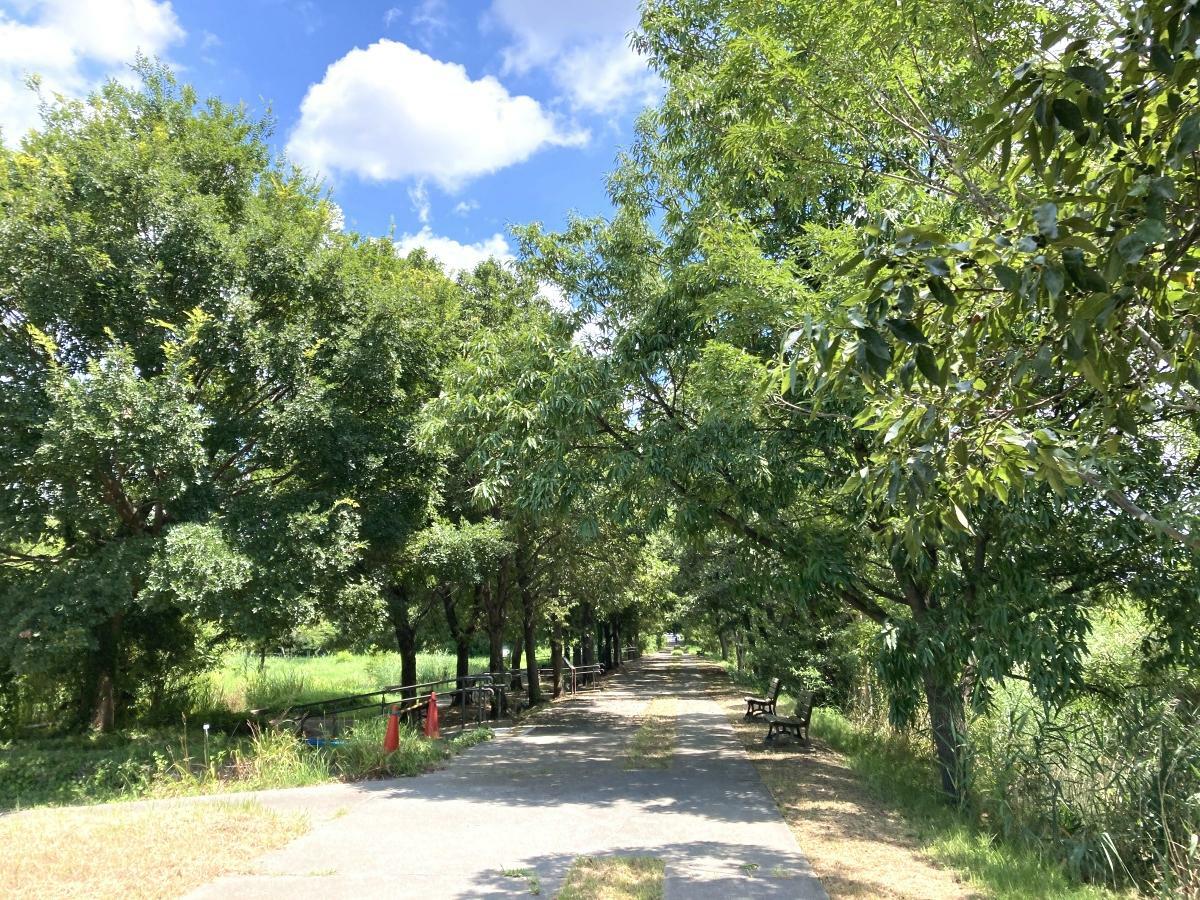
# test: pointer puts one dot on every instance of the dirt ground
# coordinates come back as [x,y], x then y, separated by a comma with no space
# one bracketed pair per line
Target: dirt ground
[857,847]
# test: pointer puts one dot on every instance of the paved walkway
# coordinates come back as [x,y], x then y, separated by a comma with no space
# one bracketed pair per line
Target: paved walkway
[540,796]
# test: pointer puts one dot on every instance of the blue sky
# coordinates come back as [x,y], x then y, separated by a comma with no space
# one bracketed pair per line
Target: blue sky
[445,120]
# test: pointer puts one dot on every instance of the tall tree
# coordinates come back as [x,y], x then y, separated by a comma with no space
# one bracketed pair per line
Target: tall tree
[170,304]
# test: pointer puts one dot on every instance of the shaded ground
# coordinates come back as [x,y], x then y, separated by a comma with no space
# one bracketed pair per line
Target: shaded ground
[857,846]
[539,797]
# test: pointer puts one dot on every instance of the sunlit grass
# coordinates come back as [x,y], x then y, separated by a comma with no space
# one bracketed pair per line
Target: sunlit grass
[155,764]
[653,744]
[614,878]
[239,684]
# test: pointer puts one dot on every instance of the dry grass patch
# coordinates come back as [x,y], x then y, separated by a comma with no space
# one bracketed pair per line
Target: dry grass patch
[614,878]
[159,850]
[653,744]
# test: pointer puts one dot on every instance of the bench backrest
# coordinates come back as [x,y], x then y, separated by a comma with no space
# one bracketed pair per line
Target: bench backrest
[804,707]
[776,685]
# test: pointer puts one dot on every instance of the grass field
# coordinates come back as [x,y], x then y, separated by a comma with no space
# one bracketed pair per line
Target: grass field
[239,684]
[181,760]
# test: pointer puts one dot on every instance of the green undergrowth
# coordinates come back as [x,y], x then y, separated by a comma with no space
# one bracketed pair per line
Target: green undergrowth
[903,776]
[906,780]
[136,765]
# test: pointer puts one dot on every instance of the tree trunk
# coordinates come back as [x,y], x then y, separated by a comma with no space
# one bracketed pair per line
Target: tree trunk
[408,666]
[943,693]
[102,712]
[556,658]
[462,668]
[496,610]
[947,716]
[532,676]
[606,645]
[406,635]
[494,607]
[529,608]
[724,639]
[587,638]
[518,652]
[461,632]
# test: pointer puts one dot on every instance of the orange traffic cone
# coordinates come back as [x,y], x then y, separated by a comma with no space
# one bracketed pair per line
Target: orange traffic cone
[391,738]
[431,722]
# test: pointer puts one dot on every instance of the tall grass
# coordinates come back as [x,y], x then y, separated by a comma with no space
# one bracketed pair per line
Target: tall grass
[1106,789]
[180,762]
[59,769]
[272,759]
[900,770]
[1112,789]
[239,684]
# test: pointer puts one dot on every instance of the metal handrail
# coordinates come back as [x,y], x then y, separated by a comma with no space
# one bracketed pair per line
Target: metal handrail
[415,706]
[414,698]
[338,705]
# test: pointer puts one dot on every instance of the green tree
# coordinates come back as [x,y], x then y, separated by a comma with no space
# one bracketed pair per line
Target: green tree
[167,294]
[680,405]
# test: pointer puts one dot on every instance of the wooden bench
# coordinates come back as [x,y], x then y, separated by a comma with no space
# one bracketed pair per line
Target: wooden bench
[796,724]
[763,705]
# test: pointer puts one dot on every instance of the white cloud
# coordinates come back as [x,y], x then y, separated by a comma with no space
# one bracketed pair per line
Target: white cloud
[392,112]
[602,77]
[427,20]
[455,256]
[464,207]
[418,195]
[583,45]
[72,47]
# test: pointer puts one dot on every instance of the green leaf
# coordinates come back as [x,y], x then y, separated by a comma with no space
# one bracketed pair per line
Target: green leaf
[1132,247]
[962,518]
[1053,278]
[1067,113]
[1161,59]
[850,264]
[1084,277]
[937,266]
[927,363]
[1008,278]
[1187,139]
[941,292]
[877,353]
[906,330]
[1095,80]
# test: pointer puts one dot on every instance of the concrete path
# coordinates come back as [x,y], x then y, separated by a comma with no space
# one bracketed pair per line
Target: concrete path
[536,798]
